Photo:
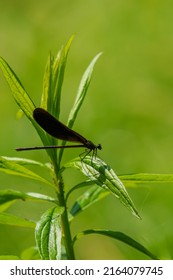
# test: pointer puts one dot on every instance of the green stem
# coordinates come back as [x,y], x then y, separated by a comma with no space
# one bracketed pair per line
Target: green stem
[65,222]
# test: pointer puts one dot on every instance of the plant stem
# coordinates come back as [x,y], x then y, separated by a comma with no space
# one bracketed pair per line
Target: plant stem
[65,222]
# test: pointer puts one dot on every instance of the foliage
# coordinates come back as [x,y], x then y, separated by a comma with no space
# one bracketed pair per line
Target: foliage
[52,231]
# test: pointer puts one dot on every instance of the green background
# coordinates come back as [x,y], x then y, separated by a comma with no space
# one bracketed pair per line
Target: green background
[128,109]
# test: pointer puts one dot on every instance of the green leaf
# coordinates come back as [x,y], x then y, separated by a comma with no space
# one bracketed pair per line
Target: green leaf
[79,186]
[47,83]
[8,219]
[53,80]
[48,234]
[82,90]
[10,195]
[94,194]
[104,176]
[22,98]
[13,167]
[89,197]
[58,76]
[25,161]
[52,86]
[20,95]
[147,178]
[30,253]
[119,236]
[4,206]
[39,196]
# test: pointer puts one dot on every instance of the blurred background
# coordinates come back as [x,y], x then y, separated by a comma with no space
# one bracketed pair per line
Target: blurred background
[128,109]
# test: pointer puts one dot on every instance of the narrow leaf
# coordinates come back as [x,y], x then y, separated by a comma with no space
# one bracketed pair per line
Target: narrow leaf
[58,75]
[47,83]
[147,178]
[39,196]
[89,197]
[79,186]
[119,236]
[25,161]
[30,253]
[82,90]
[48,234]
[4,206]
[10,195]
[20,95]
[104,176]
[8,219]
[22,98]
[13,168]
[92,195]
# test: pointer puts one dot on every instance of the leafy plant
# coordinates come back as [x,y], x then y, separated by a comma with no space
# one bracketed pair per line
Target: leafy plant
[52,231]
